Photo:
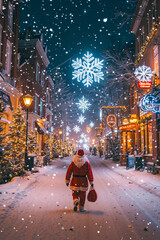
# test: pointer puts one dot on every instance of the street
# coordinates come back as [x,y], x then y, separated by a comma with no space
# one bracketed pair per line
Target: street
[40,206]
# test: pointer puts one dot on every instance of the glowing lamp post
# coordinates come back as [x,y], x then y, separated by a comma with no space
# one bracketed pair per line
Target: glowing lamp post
[60,133]
[27,99]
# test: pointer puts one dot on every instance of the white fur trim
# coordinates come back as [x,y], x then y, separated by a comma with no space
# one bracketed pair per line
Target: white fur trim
[79,161]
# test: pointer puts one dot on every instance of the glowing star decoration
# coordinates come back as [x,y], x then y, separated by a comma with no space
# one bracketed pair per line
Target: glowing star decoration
[144,75]
[76,129]
[91,124]
[81,119]
[88,70]
[83,104]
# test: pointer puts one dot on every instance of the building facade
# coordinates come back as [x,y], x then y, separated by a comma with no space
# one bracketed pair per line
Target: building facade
[32,79]
[146,27]
[9,31]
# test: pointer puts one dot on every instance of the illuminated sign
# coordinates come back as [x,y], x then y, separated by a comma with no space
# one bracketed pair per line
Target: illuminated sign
[127,127]
[150,103]
[133,118]
[111,120]
[144,85]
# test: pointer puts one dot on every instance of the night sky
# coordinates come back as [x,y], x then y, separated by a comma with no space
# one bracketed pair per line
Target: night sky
[73,27]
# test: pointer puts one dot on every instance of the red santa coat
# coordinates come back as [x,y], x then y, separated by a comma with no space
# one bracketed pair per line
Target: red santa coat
[81,172]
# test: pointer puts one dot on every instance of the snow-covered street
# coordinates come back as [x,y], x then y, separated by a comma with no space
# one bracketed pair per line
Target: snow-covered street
[40,206]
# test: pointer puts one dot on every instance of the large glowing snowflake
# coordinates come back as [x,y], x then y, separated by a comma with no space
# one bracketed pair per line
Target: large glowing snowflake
[88,70]
[144,73]
[91,124]
[83,104]
[76,129]
[81,119]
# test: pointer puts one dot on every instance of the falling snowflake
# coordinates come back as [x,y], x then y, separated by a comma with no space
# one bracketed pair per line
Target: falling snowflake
[91,124]
[83,135]
[144,73]
[81,119]
[68,129]
[76,129]
[88,69]
[83,104]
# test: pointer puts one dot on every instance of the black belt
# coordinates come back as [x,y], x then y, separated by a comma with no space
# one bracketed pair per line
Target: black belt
[79,175]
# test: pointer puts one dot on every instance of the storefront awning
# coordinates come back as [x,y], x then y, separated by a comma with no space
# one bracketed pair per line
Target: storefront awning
[40,127]
[6,99]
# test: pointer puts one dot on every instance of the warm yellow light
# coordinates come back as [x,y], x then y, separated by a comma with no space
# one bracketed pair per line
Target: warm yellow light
[133,120]
[125,121]
[60,132]
[27,100]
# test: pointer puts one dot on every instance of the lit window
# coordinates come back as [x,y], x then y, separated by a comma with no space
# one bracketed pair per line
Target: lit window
[10,16]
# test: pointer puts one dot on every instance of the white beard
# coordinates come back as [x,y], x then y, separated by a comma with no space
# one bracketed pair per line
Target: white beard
[79,161]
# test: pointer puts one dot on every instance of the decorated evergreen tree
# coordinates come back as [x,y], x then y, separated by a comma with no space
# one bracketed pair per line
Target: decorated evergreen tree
[6,167]
[55,146]
[33,146]
[17,136]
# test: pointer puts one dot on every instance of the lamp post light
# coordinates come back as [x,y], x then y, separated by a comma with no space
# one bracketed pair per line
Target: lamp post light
[60,133]
[27,99]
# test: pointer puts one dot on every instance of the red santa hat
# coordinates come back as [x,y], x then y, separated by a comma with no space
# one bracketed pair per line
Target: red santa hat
[80,152]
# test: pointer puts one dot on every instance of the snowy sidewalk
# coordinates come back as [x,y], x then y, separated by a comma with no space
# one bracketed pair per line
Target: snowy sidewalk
[39,207]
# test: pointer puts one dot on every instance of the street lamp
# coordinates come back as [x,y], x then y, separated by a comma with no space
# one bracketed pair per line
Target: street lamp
[60,133]
[27,99]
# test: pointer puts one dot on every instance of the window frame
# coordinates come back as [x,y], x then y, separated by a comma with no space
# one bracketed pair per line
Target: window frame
[10,15]
[8,61]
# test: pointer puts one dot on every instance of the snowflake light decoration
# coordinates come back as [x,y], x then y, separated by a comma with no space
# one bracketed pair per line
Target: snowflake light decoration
[76,129]
[91,124]
[81,119]
[88,70]
[83,104]
[143,73]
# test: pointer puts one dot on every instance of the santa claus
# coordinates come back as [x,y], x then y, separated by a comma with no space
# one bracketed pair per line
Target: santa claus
[81,173]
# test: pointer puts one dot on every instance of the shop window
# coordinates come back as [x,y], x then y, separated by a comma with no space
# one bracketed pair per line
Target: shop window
[10,15]
[142,139]
[129,141]
[146,138]
[149,138]
[124,141]
[8,57]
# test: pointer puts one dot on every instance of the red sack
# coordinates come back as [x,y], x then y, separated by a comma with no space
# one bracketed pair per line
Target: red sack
[92,195]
